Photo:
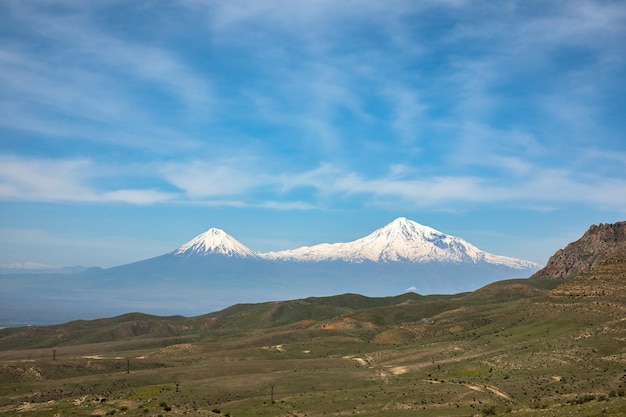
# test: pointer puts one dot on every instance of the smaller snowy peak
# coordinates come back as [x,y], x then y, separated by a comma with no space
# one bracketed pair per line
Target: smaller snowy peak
[215,242]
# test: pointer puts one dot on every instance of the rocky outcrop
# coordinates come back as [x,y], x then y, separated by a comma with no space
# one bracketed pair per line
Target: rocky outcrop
[599,243]
[607,279]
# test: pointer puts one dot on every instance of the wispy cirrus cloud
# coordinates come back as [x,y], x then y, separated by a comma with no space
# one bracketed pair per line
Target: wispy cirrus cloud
[43,180]
[78,34]
[261,106]
[97,86]
[245,183]
[536,187]
[201,180]
[65,180]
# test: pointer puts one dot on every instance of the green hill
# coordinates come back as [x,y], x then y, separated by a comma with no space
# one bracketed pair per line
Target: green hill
[526,347]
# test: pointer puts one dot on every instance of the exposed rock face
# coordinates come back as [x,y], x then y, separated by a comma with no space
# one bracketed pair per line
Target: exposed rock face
[607,278]
[599,243]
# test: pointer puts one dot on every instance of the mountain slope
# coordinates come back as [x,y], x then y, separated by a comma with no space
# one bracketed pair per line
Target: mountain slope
[605,280]
[402,240]
[600,242]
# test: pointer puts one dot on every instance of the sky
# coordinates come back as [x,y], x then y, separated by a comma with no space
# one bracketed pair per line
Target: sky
[128,128]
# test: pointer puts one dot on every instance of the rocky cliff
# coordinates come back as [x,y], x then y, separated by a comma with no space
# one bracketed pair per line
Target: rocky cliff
[600,243]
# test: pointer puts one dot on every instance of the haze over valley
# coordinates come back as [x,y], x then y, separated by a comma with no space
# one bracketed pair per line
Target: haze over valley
[214,270]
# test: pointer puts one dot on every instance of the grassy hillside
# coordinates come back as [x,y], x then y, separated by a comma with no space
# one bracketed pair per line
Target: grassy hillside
[236,319]
[520,347]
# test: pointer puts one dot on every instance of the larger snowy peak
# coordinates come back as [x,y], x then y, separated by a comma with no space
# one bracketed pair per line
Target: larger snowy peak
[215,242]
[402,240]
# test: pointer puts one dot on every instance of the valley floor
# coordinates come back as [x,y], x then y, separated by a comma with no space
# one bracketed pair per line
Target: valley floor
[324,377]
[534,356]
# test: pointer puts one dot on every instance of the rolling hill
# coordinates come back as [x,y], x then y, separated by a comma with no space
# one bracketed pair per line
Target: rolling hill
[527,347]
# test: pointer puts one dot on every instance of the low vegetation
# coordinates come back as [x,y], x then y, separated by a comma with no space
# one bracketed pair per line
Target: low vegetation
[519,347]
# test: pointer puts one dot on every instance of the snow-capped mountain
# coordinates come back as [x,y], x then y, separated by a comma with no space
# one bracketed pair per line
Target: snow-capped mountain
[402,240]
[215,242]
[214,270]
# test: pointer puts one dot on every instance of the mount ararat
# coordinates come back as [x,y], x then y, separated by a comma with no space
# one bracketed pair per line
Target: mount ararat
[214,270]
[402,240]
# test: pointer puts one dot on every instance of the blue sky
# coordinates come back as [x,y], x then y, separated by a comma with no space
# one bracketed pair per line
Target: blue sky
[127,128]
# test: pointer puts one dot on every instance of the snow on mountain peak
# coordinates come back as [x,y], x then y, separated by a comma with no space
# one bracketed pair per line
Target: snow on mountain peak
[402,240]
[406,240]
[215,241]
[406,230]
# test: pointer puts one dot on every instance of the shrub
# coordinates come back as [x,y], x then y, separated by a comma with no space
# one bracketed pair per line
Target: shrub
[583,399]
[489,411]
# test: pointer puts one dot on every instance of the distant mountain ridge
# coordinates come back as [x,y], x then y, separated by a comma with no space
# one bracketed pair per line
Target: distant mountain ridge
[214,270]
[38,268]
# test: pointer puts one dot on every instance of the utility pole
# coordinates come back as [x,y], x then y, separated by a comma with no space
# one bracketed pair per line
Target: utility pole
[128,365]
[272,394]
[54,354]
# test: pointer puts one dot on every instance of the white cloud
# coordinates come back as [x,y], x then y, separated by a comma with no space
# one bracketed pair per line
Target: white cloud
[480,145]
[29,179]
[368,62]
[287,205]
[539,187]
[408,112]
[92,84]
[241,183]
[205,180]
[137,196]
[44,180]
[79,35]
